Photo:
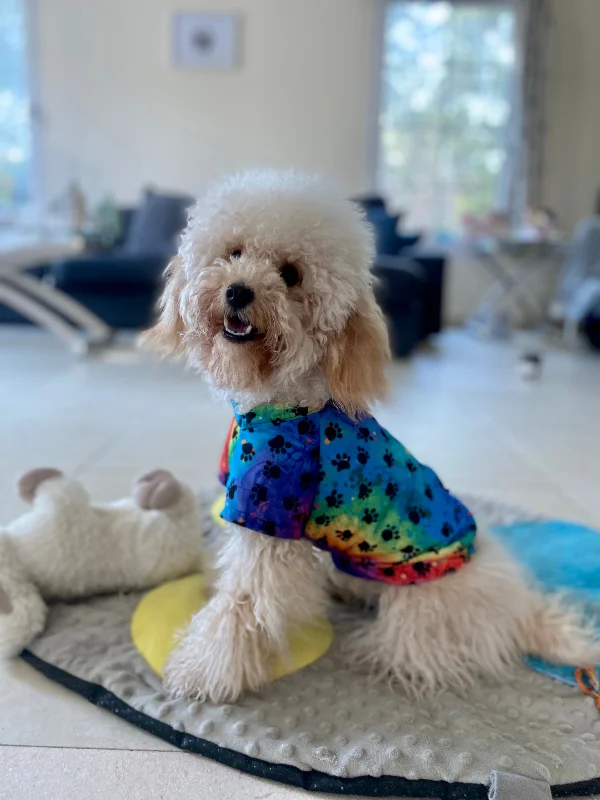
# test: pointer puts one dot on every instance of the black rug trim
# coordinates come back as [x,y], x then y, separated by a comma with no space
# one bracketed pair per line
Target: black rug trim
[310,780]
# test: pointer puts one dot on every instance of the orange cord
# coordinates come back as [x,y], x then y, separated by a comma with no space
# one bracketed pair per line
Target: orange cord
[589,683]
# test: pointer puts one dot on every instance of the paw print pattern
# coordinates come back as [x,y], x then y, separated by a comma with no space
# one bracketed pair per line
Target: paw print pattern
[306,427]
[300,411]
[390,534]
[333,432]
[415,514]
[248,418]
[370,515]
[291,503]
[248,451]
[341,461]
[279,445]
[306,480]
[391,490]
[410,550]
[421,567]
[362,455]
[258,494]
[365,490]
[334,500]
[271,470]
[268,527]
[348,498]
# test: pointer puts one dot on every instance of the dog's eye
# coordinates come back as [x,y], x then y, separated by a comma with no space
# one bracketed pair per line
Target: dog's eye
[289,275]
[235,253]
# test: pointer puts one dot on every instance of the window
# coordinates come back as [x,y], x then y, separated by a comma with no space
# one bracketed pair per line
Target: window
[16,173]
[447,85]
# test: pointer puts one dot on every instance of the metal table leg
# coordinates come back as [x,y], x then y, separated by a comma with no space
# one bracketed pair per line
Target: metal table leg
[97,332]
[43,316]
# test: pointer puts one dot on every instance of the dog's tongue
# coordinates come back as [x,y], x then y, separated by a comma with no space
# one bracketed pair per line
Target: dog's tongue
[236,325]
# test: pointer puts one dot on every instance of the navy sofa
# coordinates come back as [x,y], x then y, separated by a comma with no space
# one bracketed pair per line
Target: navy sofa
[410,279]
[121,285]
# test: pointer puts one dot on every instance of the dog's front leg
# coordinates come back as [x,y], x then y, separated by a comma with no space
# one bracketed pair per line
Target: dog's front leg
[265,586]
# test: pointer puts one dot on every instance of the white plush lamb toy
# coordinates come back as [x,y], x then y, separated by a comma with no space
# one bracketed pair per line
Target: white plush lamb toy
[66,548]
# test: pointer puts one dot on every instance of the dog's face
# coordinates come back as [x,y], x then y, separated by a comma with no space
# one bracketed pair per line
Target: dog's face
[271,289]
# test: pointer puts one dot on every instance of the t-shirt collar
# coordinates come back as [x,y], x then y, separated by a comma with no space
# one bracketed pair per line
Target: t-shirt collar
[274,413]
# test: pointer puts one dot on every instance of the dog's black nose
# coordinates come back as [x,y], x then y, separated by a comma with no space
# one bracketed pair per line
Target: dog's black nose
[239,296]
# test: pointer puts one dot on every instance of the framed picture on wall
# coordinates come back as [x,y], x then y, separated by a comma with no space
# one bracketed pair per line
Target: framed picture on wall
[205,41]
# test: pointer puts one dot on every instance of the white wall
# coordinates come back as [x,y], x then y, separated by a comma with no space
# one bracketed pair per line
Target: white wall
[118,116]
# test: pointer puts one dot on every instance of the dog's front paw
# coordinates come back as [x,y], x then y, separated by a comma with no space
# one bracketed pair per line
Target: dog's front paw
[222,653]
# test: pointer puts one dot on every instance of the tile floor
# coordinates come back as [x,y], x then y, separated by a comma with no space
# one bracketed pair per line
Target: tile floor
[459,406]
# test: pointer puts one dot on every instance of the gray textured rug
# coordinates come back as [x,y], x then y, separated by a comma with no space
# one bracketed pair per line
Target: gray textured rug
[331,720]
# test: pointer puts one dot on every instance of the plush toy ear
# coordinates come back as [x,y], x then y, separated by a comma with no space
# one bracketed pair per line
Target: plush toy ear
[166,336]
[356,360]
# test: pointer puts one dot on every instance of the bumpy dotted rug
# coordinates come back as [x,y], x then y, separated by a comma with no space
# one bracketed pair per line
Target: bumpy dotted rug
[326,728]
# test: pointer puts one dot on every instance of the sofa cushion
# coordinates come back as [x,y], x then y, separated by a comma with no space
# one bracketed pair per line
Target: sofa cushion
[156,224]
[384,227]
[370,202]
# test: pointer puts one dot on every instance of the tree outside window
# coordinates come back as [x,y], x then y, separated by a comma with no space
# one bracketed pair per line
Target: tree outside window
[447,88]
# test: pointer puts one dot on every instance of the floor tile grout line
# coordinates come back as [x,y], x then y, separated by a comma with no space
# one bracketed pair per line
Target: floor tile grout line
[175,751]
[89,462]
[513,440]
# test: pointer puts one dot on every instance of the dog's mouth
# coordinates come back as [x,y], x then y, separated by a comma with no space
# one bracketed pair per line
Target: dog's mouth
[236,329]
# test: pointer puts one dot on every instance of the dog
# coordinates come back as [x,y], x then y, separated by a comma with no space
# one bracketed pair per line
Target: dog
[271,298]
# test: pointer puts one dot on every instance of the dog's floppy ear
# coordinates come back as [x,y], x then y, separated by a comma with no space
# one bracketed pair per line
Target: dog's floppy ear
[356,359]
[166,336]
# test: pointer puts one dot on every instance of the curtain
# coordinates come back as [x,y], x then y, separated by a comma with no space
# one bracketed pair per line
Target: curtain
[526,138]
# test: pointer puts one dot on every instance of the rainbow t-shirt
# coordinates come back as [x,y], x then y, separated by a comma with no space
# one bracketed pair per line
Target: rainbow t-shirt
[349,487]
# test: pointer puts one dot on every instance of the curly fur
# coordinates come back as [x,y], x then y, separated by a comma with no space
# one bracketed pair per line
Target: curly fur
[323,338]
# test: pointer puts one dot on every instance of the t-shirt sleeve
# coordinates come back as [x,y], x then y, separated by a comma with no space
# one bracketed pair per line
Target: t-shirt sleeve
[227,451]
[272,479]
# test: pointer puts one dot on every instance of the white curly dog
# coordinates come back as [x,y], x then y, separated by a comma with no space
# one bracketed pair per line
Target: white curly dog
[270,297]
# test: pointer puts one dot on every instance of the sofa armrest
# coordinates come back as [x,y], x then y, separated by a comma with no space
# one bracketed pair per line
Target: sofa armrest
[432,267]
